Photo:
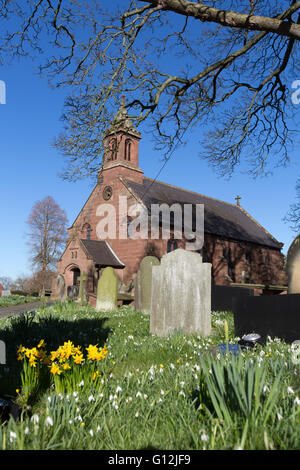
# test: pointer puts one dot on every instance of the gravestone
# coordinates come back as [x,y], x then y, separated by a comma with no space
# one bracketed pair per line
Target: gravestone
[181,295]
[222,296]
[143,284]
[72,292]
[1,289]
[293,266]
[82,279]
[107,291]
[60,287]
[268,315]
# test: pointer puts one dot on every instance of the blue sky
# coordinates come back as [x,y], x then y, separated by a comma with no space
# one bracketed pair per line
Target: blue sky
[29,169]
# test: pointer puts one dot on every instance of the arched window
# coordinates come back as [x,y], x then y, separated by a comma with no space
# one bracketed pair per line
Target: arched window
[86,230]
[114,146]
[172,245]
[127,149]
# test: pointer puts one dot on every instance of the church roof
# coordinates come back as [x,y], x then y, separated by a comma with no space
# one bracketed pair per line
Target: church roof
[220,218]
[102,253]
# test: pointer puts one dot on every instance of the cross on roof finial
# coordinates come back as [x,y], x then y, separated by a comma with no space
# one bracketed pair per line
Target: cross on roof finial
[238,200]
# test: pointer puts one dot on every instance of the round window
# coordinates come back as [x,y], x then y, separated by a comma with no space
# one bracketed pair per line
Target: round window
[107,193]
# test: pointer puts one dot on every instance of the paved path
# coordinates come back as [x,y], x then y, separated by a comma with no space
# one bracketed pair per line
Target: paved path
[21,308]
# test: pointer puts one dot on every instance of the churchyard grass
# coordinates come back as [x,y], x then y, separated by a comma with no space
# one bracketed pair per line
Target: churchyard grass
[10,300]
[154,393]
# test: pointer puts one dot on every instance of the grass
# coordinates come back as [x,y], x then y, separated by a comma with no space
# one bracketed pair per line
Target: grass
[168,393]
[10,300]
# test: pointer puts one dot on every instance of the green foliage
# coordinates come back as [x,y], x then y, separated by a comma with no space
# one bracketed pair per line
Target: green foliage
[177,392]
[10,300]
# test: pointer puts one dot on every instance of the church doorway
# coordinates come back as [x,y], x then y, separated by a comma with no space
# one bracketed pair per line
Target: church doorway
[76,276]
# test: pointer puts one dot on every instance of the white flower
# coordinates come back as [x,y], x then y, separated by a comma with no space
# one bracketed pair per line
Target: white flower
[91,432]
[279,416]
[35,419]
[145,396]
[290,390]
[204,437]
[118,389]
[91,398]
[98,428]
[138,394]
[75,394]
[162,392]
[81,384]
[182,384]
[49,421]
[297,401]
[26,430]
[12,436]
[137,414]
[182,393]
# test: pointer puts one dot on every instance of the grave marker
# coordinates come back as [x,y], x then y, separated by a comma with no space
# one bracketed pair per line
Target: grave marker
[181,295]
[60,286]
[107,291]
[143,284]
[82,279]
[293,266]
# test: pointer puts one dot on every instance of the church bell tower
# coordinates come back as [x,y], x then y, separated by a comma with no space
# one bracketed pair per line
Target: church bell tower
[121,141]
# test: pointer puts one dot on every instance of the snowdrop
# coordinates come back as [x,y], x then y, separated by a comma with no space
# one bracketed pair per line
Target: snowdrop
[49,421]
[35,418]
[12,436]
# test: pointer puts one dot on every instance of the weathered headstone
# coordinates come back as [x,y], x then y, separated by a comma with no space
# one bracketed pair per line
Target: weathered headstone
[1,288]
[143,284]
[82,279]
[293,266]
[72,292]
[107,292]
[60,287]
[181,295]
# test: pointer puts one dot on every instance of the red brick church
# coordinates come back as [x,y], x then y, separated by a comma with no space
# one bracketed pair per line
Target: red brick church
[241,251]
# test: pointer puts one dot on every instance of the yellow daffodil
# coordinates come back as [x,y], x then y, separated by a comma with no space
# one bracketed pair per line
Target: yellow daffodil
[78,359]
[41,344]
[55,369]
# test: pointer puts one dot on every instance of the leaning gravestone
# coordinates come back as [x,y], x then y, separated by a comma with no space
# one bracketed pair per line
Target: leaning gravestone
[143,284]
[293,266]
[181,295]
[60,286]
[107,292]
